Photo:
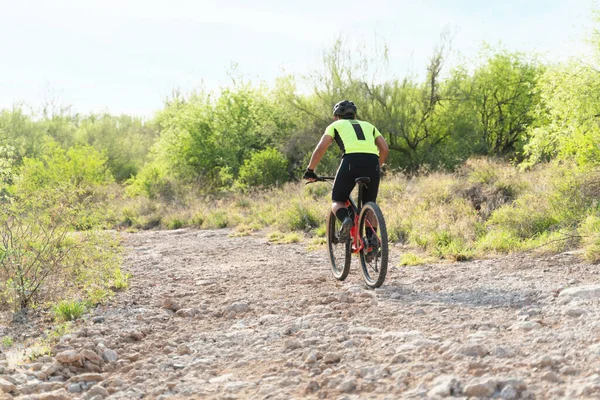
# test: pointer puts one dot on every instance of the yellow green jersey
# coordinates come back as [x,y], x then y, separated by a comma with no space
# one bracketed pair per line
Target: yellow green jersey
[354,136]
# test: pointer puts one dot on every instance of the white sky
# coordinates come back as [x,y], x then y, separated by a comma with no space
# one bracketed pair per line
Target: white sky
[126,56]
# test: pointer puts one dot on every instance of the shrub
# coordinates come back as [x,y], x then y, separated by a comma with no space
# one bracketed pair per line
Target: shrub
[175,223]
[69,310]
[500,241]
[573,192]
[299,216]
[151,182]
[7,341]
[590,231]
[529,216]
[283,238]
[263,169]
[120,279]
[216,219]
[409,259]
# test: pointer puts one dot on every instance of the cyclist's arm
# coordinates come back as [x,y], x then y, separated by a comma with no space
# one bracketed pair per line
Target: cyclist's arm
[383,149]
[319,151]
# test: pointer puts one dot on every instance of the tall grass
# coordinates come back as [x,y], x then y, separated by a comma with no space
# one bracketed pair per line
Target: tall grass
[486,206]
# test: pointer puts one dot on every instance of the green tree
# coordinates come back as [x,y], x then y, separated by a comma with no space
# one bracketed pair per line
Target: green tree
[21,132]
[504,96]
[123,139]
[570,105]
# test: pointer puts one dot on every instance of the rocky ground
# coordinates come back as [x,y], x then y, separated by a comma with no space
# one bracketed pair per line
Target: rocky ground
[217,317]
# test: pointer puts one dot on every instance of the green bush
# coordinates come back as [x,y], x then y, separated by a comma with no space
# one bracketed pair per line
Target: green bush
[590,232]
[216,219]
[265,168]
[151,182]
[528,216]
[7,341]
[69,310]
[300,217]
[120,279]
[499,241]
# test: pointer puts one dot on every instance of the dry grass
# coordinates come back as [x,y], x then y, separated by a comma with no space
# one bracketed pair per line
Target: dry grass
[485,207]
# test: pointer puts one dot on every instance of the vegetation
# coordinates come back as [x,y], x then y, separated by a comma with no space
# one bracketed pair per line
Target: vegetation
[497,155]
[69,310]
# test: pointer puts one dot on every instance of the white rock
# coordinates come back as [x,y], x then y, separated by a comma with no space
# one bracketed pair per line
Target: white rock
[60,394]
[527,325]
[582,292]
[110,355]
[74,388]
[402,335]
[332,358]
[550,376]
[235,387]
[503,352]
[87,378]
[574,312]
[509,393]
[347,386]
[472,350]
[68,357]
[221,378]
[445,385]
[183,349]
[238,308]
[97,390]
[595,349]
[480,388]
[542,362]
[6,386]
[292,344]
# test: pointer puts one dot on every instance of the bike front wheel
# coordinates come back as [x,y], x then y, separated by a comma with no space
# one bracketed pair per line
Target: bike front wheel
[374,254]
[339,251]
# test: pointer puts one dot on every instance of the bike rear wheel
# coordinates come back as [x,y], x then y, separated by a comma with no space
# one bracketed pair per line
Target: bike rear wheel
[374,255]
[339,252]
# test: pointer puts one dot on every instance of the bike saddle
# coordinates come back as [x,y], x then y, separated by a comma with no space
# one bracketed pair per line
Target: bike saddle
[363,179]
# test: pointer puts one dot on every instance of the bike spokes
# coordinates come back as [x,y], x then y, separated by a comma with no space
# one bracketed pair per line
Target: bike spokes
[339,251]
[374,254]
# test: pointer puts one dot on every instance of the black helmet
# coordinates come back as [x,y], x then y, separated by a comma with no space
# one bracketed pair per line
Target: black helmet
[344,107]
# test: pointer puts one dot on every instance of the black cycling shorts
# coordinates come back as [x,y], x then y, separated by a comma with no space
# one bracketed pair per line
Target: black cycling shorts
[356,165]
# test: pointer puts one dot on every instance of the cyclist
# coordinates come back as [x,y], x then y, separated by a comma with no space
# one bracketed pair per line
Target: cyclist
[364,151]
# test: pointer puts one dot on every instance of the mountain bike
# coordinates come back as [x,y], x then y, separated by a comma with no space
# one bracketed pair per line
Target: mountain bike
[368,238]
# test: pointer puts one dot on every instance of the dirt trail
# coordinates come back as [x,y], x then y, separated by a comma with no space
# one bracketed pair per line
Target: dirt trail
[217,317]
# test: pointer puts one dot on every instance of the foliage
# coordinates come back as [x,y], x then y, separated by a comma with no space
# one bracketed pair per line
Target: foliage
[37,247]
[298,215]
[68,310]
[283,238]
[570,107]
[122,139]
[590,230]
[265,168]
[49,198]
[504,97]
[7,341]
[410,259]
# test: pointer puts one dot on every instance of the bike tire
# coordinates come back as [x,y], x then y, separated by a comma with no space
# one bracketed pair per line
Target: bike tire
[339,253]
[373,266]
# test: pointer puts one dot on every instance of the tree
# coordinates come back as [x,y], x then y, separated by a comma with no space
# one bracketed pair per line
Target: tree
[503,93]
[570,105]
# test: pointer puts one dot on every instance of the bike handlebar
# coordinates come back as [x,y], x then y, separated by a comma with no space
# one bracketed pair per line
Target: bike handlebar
[322,179]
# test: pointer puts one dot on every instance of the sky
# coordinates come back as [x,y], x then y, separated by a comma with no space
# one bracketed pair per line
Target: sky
[127,56]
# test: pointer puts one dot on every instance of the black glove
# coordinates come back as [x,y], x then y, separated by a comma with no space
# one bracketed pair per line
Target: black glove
[309,174]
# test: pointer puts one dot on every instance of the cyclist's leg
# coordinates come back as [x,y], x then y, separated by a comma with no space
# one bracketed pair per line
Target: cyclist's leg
[371,190]
[342,187]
